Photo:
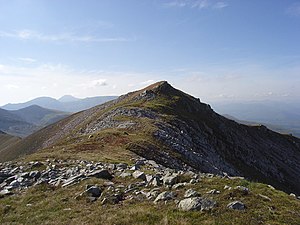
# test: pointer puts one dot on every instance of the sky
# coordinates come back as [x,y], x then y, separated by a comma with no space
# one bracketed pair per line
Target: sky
[217,50]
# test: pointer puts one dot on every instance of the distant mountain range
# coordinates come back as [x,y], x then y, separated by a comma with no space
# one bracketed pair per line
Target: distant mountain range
[25,121]
[282,117]
[66,103]
[22,119]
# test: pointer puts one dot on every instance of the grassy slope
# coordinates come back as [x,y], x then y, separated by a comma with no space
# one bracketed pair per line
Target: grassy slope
[7,140]
[58,206]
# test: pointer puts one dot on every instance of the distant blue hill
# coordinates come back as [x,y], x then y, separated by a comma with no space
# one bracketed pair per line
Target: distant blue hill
[66,103]
[279,116]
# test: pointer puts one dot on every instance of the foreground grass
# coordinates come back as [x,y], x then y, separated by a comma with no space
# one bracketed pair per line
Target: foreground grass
[55,205]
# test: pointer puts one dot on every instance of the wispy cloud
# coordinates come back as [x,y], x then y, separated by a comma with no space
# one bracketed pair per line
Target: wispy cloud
[220,5]
[294,9]
[196,4]
[62,37]
[27,60]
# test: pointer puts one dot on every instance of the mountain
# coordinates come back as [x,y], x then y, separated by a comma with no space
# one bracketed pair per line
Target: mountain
[25,121]
[39,116]
[282,115]
[45,102]
[66,103]
[14,124]
[176,130]
[68,98]
[276,128]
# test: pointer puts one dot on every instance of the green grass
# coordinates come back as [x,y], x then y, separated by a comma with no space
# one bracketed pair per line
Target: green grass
[49,205]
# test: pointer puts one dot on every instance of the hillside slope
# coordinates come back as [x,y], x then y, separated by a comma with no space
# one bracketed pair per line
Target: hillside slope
[14,124]
[39,116]
[7,140]
[174,129]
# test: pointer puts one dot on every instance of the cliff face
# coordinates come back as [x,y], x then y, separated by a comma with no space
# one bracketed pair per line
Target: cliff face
[178,131]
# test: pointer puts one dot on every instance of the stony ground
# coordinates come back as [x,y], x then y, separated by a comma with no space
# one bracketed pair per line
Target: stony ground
[142,192]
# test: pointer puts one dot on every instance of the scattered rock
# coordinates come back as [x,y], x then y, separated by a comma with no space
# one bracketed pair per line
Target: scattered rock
[237,205]
[179,185]
[242,189]
[5,192]
[170,180]
[166,195]
[191,193]
[213,191]
[139,175]
[196,203]
[103,174]
[265,197]
[226,187]
[93,191]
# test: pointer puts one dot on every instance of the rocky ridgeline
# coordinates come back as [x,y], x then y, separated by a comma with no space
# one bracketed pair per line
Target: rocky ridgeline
[149,181]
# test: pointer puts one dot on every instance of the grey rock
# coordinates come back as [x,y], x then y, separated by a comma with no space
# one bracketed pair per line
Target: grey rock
[196,203]
[166,195]
[94,191]
[213,191]
[122,166]
[34,174]
[125,174]
[5,192]
[170,180]
[242,189]
[102,174]
[237,205]
[265,197]
[72,180]
[191,193]
[139,175]
[135,167]
[226,187]
[179,185]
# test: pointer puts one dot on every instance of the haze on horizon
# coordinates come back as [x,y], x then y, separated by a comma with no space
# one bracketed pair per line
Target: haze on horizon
[218,50]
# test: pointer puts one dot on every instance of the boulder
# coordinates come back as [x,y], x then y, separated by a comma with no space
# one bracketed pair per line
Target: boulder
[125,174]
[166,195]
[191,193]
[5,193]
[237,205]
[196,203]
[93,191]
[139,175]
[170,180]
[179,185]
[102,174]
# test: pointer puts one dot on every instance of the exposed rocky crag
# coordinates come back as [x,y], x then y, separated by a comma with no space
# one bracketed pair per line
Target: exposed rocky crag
[178,131]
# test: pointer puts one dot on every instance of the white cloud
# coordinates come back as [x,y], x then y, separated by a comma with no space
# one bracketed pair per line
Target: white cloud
[294,9]
[196,4]
[27,60]
[22,83]
[11,86]
[62,37]
[220,5]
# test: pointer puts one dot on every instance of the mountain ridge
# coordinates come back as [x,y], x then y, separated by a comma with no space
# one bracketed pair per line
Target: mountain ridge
[164,124]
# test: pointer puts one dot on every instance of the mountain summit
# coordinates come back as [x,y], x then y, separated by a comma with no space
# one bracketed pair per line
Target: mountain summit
[172,128]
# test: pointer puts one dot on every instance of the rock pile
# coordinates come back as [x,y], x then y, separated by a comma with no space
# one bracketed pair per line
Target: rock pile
[145,180]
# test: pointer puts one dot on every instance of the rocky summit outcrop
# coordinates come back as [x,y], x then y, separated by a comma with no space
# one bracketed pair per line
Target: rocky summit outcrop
[176,130]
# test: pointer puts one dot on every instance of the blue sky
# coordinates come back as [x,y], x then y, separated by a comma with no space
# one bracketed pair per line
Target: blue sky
[229,50]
